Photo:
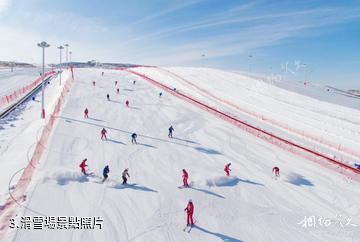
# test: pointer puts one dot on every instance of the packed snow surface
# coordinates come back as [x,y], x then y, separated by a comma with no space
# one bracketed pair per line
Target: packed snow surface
[250,205]
[20,77]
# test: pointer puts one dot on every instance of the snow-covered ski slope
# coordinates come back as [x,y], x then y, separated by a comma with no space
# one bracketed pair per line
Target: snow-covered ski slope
[11,81]
[326,127]
[249,206]
[15,85]
[315,90]
[20,131]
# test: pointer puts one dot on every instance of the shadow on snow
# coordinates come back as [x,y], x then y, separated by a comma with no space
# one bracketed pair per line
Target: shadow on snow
[115,101]
[298,180]
[116,141]
[207,192]
[123,131]
[228,182]
[237,180]
[134,187]
[147,145]
[99,120]
[207,151]
[185,140]
[62,181]
[223,237]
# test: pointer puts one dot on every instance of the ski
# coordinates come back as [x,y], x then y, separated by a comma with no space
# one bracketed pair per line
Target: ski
[91,174]
[189,185]
[182,187]
[187,226]
[190,228]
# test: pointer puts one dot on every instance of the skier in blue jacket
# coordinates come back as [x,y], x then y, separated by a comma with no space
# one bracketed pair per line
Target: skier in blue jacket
[106,172]
[133,138]
[171,129]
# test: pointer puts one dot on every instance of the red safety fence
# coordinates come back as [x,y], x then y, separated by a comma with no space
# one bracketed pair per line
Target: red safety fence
[17,196]
[15,95]
[288,145]
[329,143]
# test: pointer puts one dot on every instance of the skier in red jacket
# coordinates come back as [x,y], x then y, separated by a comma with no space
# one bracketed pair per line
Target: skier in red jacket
[103,134]
[86,113]
[190,211]
[227,169]
[83,165]
[185,178]
[276,171]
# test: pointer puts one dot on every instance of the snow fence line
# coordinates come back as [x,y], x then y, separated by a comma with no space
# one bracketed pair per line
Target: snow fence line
[7,99]
[332,144]
[307,153]
[7,210]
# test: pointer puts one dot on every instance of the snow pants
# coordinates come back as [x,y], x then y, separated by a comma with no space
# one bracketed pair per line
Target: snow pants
[190,220]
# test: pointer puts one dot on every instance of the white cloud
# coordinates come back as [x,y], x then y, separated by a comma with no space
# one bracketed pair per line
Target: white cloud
[326,16]
[4,4]
[255,32]
[167,11]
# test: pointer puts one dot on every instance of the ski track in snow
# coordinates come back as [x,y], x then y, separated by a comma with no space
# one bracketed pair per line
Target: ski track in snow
[249,206]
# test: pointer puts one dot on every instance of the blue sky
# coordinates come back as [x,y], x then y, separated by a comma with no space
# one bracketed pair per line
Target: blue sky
[323,36]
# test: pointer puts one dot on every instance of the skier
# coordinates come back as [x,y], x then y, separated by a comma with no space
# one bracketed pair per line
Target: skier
[127,103]
[125,174]
[102,73]
[103,134]
[190,211]
[134,82]
[115,83]
[86,113]
[133,138]
[72,71]
[117,90]
[227,169]
[171,129]
[185,178]
[357,166]
[108,97]
[160,94]
[94,83]
[106,173]
[276,171]
[82,166]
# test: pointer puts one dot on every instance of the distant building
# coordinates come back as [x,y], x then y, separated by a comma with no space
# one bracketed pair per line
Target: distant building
[355,92]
